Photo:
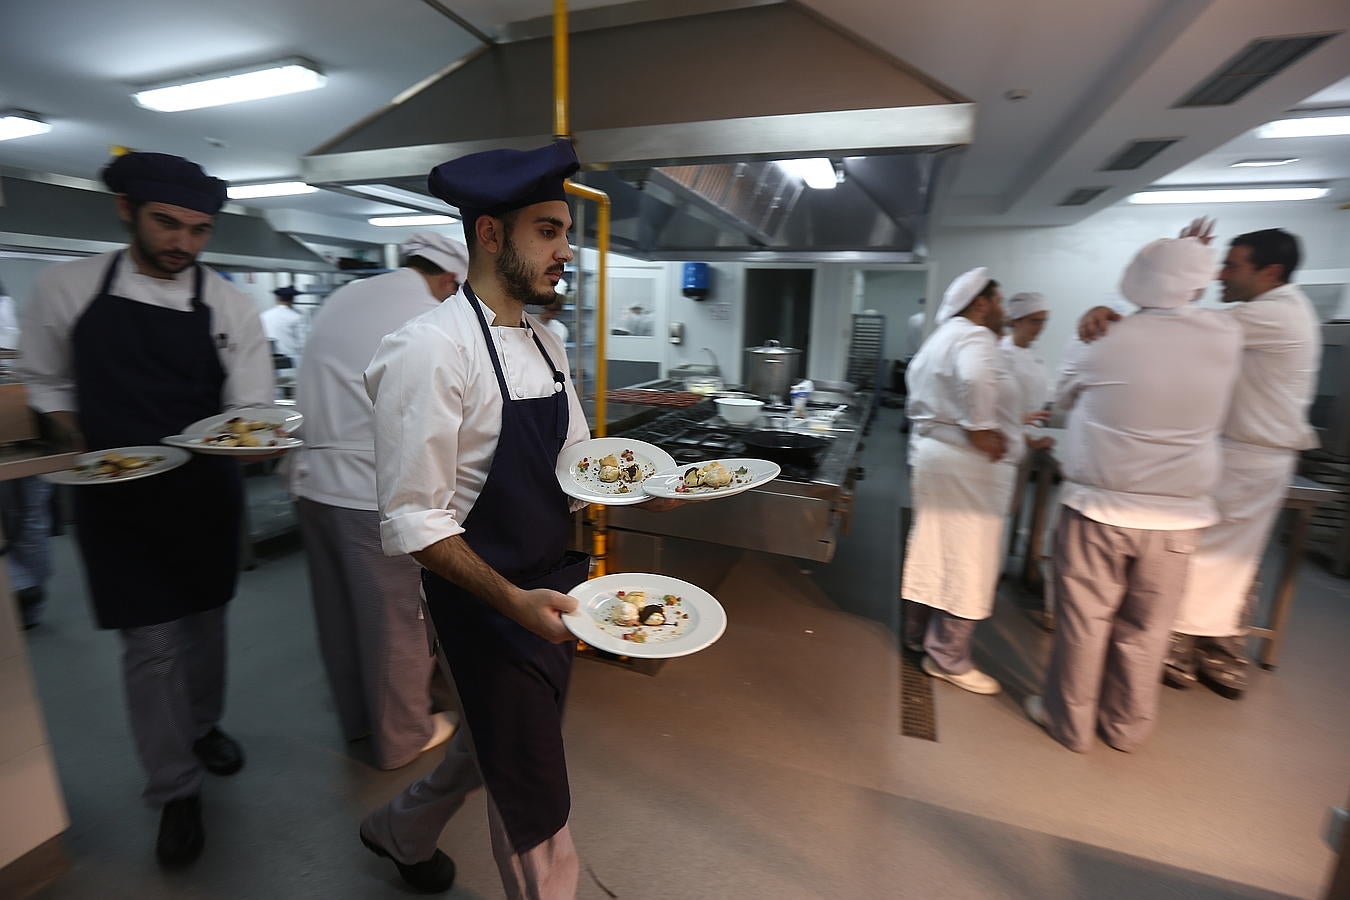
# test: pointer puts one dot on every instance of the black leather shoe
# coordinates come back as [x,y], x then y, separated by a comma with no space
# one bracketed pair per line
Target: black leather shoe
[1223,666]
[181,836]
[1180,665]
[220,753]
[432,876]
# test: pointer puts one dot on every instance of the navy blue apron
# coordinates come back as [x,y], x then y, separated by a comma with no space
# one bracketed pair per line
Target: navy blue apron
[511,682]
[164,547]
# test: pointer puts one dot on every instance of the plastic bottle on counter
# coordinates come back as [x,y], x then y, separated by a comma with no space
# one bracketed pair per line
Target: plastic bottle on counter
[801,392]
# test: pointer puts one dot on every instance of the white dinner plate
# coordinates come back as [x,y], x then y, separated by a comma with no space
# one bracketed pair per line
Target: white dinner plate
[194,442]
[699,619]
[283,416]
[168,458]
[745,474]
[585,483]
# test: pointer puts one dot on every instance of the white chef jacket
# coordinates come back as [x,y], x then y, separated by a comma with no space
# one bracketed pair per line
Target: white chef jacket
[557,327]
[1027,367]
[438,414]
[285,327]
[9,323]
[1145,404]
[337,464]
[959,382]
[1282,349]
[63,292]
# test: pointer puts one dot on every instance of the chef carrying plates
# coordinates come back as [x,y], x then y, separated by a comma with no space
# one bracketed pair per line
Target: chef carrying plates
[472,407]
[126,348]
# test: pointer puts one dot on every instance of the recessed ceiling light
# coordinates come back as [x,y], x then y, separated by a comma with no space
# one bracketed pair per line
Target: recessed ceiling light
[236,86]
[271,189]
[18,123]
[817,173]
[1229,195]
[1262,163]
[412,220]
[1311,126]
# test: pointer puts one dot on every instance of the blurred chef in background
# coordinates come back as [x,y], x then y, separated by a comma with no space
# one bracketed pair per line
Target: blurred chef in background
[367,606]
[122,349]
[1141,463]
[966,415]
[285,326]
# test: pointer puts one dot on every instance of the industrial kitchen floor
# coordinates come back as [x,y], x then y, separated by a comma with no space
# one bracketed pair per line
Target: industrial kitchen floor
[769,766]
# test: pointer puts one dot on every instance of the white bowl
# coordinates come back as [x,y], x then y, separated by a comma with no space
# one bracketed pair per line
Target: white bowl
[739,410]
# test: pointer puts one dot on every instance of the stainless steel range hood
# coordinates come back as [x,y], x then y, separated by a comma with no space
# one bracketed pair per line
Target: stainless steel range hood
[665,105]
[59,214]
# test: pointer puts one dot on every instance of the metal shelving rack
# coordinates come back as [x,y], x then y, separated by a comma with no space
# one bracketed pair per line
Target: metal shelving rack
[866,345]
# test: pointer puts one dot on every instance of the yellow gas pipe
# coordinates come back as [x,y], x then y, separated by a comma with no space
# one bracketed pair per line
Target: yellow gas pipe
[562,129]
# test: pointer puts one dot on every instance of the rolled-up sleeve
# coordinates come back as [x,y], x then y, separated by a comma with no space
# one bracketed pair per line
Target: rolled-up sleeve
[249,374]
[1069,382]
[978,372]
[417,389]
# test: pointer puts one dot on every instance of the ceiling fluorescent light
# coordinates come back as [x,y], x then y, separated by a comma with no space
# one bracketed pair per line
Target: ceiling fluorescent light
[17,123]
[412,220]
[272,189]
[817,173]
[256,83]
[1312,126]
[1229,195]
[1262,163]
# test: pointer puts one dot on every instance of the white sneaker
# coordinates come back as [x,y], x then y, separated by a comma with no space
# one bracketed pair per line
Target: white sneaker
[1035,709]
[443,728]
[974,681]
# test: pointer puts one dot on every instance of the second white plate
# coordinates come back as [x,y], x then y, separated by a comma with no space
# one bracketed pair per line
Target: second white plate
[197,444]
[578,470]
[745,474]
[284,418]
[159,460]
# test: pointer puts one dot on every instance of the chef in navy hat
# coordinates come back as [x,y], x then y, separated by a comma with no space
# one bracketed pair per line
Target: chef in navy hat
[966,440]
[286,326]
[473,406]
[121,350]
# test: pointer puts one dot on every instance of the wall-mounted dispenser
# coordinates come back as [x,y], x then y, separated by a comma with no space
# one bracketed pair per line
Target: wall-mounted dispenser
[697,280]
[677,333]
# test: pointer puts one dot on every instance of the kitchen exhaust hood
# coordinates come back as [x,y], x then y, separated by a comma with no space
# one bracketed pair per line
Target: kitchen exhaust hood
[680,116]
[59,214]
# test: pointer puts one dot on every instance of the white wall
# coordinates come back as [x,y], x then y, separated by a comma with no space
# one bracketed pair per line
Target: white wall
[1079,266]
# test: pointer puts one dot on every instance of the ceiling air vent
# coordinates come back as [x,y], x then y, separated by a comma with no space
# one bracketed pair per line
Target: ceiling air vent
[1136,153]
[1082,196]
[1251,67]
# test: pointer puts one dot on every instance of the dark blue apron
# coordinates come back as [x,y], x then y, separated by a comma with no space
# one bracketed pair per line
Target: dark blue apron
[158,548]
[511,682]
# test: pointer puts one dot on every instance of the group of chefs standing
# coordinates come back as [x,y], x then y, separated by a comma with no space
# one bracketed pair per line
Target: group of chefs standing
[1184,426]
[435,410]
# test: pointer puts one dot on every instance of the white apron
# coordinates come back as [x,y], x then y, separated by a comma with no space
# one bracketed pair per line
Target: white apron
[1250,495]
[955,549]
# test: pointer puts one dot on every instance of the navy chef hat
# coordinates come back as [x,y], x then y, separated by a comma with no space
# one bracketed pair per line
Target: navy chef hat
[286,293]
[161,178]
[494,182]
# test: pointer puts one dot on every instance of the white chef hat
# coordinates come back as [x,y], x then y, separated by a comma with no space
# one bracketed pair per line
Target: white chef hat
[961,291]
[452,256]
[1166,273]
[1026,303]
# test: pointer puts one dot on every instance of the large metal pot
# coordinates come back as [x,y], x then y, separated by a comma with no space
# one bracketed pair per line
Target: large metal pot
[770,370]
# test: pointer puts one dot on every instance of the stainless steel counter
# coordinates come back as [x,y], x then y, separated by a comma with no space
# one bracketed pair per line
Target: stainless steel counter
[799,517]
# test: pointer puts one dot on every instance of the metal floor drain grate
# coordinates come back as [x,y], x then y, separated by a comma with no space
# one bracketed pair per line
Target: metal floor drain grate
[917,716]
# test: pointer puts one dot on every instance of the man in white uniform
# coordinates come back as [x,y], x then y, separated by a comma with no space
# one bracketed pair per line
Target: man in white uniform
[1267,427]
[472,407]
[1027,315]
[1140,462]
[914,327]
[367,606]
[965,445]
[285,325]
[123,349]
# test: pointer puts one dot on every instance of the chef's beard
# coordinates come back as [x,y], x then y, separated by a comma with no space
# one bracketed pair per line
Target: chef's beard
[169,263]
[520,277]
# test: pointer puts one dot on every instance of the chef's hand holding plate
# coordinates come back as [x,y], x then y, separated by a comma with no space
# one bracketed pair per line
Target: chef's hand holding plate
[541,610]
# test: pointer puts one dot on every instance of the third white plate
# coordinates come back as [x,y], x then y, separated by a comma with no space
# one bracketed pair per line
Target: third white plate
[745,474]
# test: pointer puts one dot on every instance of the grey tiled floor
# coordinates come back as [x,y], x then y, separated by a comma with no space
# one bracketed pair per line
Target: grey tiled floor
[769,766]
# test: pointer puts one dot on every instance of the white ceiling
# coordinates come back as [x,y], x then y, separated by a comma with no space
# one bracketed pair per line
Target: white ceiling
[1097,75]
